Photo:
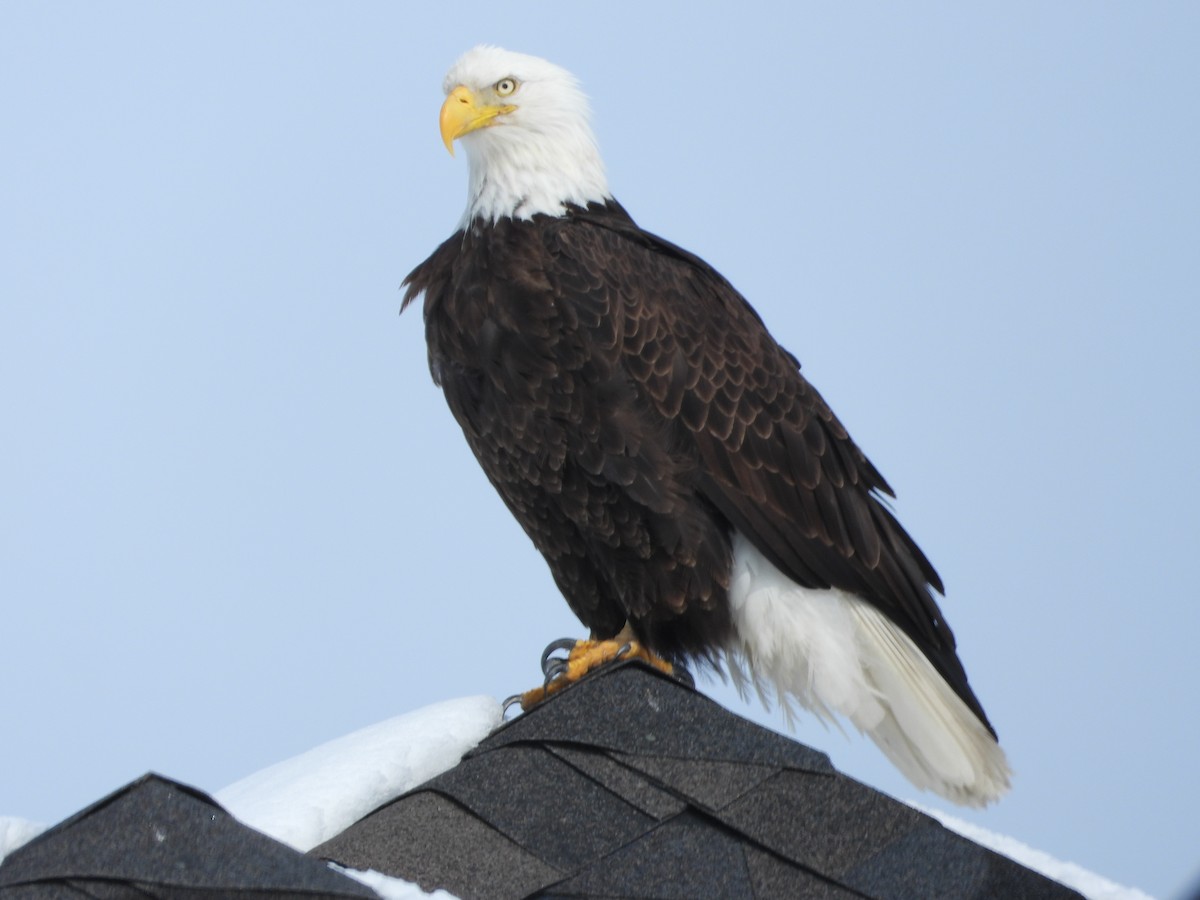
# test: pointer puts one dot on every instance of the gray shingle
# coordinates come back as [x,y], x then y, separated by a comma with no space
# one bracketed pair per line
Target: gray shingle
[774,877]
[630,786]
[684,858]
[915,866]
[825,823]
[706,783]
[429,839]
[541,802]
[160,837]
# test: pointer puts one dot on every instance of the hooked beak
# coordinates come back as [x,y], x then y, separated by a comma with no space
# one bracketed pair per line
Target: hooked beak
[463,113]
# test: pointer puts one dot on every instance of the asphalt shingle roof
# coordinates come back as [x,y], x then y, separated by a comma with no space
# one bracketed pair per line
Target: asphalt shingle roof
[627,785]
[630,784]
[158,838]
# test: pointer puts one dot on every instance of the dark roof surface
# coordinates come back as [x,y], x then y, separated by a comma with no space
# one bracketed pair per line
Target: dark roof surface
[159,838]
[629,784]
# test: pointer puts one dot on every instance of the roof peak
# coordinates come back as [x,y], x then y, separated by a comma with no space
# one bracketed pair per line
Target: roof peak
[628,781]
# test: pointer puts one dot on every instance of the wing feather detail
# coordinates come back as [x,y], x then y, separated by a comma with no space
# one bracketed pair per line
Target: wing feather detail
[773,457]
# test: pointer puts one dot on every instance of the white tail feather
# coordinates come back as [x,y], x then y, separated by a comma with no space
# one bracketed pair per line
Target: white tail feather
[832,653]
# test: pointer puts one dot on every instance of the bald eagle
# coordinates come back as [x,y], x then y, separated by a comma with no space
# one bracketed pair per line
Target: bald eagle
[683,480]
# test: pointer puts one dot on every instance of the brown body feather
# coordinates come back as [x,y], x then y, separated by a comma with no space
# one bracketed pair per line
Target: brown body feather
[631,409]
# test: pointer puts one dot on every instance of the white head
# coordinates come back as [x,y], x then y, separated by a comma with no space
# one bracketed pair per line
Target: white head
[524,123]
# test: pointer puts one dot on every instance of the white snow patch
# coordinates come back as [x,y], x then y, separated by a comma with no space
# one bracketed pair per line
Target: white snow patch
[390,888]
[15,833]
[312,797]
[1091,885]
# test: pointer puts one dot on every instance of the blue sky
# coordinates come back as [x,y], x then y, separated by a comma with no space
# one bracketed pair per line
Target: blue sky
[236,518]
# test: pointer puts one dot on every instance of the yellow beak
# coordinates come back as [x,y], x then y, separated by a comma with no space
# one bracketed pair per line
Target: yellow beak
[462,113]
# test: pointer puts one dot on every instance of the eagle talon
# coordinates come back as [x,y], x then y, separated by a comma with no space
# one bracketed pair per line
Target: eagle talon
[554,669]
[509,703]
[554,646]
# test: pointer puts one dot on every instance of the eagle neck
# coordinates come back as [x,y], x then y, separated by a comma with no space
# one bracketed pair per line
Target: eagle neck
[514,177]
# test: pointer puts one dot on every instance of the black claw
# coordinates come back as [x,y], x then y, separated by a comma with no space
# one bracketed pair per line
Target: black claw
[684,676]
[510,702]
[554,668]
[625,648]
[554,647]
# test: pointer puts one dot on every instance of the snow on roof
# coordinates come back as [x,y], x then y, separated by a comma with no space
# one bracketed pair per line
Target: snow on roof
[309,798]
[14,832]
[390,888]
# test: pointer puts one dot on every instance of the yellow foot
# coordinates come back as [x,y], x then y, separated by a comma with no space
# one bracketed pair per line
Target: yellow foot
[586,656]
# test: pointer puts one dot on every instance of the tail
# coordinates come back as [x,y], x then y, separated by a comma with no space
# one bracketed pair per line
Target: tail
[833,653]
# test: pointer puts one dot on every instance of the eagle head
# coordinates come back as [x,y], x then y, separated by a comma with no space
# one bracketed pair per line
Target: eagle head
[525,125]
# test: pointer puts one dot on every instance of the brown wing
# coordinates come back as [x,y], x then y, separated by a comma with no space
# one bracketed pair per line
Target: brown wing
[774,458]
[527,347]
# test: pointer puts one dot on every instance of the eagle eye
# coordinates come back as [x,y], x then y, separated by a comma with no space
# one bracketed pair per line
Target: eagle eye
[506,86]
